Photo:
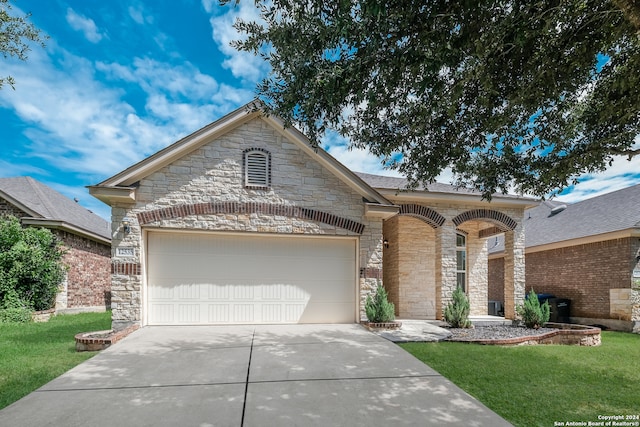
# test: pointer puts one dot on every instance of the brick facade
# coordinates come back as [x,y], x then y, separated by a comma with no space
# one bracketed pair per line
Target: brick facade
[204,190]
[496,279]
[583,273]
[88,280]
[597,278]
[7,208]
[88,283]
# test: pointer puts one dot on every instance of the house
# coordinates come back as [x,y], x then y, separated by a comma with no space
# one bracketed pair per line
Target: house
[86,237]
[588,252]
[244,221]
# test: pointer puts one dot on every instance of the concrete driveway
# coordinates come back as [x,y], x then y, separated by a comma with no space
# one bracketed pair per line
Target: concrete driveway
[325,375]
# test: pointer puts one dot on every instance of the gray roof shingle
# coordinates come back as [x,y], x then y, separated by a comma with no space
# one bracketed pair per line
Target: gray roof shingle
[395,183]
[615,211]
[49,204]
[611,212]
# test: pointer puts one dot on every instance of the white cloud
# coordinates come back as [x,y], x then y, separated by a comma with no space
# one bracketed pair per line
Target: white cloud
[86,25]
[139,15]
[242,64]
[356,159]
[79,124]
[623,173]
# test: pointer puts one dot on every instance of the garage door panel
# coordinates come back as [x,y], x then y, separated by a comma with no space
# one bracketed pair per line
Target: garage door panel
[211,279]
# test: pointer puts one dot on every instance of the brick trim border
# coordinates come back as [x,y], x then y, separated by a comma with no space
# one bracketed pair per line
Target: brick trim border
[126,268]
[503,221]
[428,215]
[208,208]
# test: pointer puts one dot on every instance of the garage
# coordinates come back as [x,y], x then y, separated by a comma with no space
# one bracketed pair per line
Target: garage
[219,278]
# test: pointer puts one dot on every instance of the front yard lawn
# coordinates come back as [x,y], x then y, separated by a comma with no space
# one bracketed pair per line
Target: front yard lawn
[545,384]
[33,354]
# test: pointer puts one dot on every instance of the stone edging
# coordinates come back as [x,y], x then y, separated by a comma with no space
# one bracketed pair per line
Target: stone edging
[565,334]
[382,325]
[99,340]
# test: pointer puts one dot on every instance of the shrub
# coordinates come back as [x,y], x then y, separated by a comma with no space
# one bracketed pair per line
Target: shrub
[15,315]
[378,307]
[31,268]
[456,314]
[533,314]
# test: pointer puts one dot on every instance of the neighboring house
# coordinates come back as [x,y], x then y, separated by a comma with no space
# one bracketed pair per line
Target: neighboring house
[86,237]
[588,252]
[244,221]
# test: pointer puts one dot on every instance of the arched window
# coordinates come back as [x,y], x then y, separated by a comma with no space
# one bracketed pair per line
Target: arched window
[257,168]
[461,261]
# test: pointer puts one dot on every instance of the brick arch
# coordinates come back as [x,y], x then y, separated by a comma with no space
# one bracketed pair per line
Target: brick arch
[208,208]
[502,221]
[423,213]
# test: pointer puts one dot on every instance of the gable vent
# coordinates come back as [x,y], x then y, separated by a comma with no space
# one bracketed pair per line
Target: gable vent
[257,168]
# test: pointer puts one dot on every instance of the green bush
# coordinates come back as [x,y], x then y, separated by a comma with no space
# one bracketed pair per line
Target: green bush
[533,314]
[31,268]
[15,315]
[378,308]
[456,314]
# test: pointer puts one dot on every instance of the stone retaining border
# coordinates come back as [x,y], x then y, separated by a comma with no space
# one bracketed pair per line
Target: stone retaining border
[565,334]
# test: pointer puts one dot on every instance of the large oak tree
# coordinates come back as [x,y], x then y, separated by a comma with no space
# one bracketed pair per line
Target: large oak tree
[523,95]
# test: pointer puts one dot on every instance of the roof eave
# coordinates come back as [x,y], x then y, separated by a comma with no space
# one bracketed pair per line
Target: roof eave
[113,195]
[65,226]
[19,205]
[612,235]
[437,196]
[374,210]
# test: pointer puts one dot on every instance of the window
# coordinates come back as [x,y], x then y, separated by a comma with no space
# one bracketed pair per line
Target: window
[461,261]
[257,168]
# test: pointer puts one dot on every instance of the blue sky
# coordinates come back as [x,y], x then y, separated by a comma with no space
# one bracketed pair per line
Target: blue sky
[119,80]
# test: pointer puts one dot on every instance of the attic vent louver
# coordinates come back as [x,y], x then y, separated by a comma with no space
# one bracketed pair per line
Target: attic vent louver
[257,168]
[558,209]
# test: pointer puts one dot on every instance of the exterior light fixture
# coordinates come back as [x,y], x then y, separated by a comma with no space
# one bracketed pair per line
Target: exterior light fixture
[126,225]
[385,242]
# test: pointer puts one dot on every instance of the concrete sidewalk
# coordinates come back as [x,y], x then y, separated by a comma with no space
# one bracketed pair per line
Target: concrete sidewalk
[338,375]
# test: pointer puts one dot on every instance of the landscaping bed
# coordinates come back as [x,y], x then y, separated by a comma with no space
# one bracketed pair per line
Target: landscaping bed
[551,333]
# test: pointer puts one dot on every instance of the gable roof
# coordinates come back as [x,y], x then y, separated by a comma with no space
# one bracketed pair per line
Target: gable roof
[553,222]
[121,187]
[395,187]
[48,208]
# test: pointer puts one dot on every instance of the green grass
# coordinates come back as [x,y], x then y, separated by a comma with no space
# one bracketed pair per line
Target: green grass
[539,385]
[32,354]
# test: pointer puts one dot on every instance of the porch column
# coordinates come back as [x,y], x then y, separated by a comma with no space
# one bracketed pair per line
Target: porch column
[445,266]
[514,271]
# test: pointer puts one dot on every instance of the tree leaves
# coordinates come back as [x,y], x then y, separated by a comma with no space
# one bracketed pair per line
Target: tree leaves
[509,94]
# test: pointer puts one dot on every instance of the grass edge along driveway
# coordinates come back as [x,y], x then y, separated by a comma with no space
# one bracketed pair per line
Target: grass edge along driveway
[545,385]
[32,354]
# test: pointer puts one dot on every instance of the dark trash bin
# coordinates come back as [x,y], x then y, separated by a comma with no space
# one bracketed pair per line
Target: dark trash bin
[560,310]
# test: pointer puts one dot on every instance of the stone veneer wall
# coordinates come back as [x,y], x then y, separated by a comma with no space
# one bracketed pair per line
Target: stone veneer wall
[88,283]
[213,173]
[409,267]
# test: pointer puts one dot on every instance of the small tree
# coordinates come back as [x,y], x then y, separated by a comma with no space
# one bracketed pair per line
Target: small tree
[456,314]
[533,313]
[378,308]
[31,268]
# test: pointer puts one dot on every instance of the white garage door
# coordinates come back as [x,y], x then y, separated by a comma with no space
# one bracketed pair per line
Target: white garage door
[214,278]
